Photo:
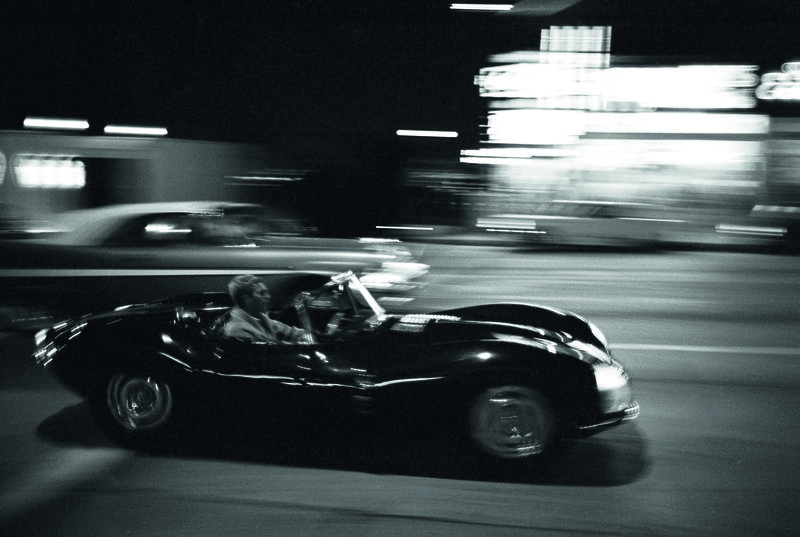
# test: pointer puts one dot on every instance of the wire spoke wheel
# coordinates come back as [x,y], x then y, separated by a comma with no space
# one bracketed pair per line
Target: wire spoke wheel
[139,403]
[511,422]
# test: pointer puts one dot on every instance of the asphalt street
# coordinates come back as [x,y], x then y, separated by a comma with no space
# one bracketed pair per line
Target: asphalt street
[712,343]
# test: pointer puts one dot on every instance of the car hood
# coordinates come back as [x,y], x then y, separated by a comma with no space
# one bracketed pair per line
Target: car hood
[539,327]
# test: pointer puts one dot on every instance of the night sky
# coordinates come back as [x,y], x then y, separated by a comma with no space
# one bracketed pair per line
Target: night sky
[261,71]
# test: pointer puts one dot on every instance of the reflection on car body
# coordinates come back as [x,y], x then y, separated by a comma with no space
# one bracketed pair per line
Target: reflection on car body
[507,379]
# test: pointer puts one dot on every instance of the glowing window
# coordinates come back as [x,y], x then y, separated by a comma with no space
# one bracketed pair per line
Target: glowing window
[49,171]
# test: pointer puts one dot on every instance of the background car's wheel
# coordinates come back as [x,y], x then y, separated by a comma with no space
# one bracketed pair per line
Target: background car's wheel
[134,406]
[511,422]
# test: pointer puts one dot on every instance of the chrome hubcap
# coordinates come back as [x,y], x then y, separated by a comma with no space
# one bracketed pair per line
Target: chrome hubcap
[139,403]
[511,423]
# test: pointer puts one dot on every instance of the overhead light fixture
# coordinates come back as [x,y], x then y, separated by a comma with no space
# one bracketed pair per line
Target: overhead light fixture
[482,7]
[138,131]
[428,134]
[54,123]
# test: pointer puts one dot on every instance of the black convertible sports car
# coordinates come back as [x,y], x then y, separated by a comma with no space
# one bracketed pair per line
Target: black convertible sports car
[511,377]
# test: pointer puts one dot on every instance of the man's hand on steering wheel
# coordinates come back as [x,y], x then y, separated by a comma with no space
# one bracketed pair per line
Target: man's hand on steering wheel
[303,317]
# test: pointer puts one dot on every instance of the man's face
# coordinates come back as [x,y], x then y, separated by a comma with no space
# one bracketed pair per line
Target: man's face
[258,301]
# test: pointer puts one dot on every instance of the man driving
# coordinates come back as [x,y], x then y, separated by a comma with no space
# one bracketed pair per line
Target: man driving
[249,319]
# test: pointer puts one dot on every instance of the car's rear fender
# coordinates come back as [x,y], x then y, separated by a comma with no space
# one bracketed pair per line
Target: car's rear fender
[97,350]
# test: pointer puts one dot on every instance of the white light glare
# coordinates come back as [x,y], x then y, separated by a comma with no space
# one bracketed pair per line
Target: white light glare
[49,171]
[406,228]
[165,228]
[61,124]
[482,7]
[428,134]
[141,131]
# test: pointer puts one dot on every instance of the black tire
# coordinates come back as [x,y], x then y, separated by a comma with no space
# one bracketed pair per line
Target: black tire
[134,408]
[511,423]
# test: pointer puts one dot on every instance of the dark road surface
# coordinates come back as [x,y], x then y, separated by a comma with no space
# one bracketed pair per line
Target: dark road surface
[713,347]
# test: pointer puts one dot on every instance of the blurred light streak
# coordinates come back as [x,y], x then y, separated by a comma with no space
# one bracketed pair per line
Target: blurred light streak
[482,7]
[581,80]
[677,123]
[406,228]
[563,123]
[165,228]
[564,127]
[428,134]
[140,131]
[645,154]
[264,178]
[536,127]
[53,123]
[576,39]
[495,161]
[776,209]
[581,58]
[751,230]
[682,87]
[515,152]
[509,223]
[512,155]
[753,351]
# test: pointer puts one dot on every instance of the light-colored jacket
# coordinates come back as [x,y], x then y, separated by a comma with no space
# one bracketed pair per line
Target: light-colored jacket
[241,324]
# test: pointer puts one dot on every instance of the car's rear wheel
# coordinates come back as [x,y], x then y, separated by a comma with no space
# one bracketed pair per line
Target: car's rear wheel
[511,422]
[134,406]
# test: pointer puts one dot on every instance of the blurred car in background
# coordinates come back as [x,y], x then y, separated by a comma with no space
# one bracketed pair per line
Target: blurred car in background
[178,224]
[592,223]
[107,256]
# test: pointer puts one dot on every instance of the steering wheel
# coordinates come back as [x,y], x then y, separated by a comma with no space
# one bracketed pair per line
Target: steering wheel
[304,317]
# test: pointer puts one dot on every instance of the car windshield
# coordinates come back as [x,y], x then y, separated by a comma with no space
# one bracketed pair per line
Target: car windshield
[361,294]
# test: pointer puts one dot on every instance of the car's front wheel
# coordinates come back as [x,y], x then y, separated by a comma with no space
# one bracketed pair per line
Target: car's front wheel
[511,422]
[134,406]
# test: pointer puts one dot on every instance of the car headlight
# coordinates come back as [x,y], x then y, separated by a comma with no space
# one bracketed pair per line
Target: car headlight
[609,377]
[613,387]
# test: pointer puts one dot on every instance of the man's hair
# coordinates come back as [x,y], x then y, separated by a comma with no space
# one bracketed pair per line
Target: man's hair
[244,284]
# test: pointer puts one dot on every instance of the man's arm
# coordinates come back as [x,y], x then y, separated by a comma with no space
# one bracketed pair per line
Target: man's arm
[286,332]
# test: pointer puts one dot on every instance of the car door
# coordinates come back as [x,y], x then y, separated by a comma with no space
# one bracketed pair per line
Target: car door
[259,375]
